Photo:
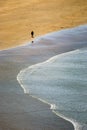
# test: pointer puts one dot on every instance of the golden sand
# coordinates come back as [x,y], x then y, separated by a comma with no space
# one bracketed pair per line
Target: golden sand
[19,17]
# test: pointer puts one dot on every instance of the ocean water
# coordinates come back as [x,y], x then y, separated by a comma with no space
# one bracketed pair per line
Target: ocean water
[62,82]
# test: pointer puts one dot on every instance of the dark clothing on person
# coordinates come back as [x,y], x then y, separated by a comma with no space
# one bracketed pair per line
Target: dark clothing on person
[32,34]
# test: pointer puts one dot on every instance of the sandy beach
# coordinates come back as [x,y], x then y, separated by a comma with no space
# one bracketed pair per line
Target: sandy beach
[19,17]
[19,111]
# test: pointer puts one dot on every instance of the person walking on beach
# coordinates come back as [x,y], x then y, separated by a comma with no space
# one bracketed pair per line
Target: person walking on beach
[32,34]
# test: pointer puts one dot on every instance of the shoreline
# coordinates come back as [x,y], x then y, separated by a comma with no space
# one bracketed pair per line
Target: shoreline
[19,59]
[75,124]
[52,106]
[26,42]
[18,18]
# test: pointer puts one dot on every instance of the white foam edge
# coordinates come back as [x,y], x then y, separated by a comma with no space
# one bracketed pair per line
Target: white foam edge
[47,61]
[76,125]
[52,106]
[39,64]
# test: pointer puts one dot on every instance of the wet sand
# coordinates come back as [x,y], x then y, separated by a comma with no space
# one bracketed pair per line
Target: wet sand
[19,17]
[19,111]
[22,112]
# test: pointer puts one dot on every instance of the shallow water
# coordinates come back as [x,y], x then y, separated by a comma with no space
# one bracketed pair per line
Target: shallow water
[62,80]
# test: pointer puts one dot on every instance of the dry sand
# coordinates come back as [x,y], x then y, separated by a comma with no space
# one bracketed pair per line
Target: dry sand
[19,17]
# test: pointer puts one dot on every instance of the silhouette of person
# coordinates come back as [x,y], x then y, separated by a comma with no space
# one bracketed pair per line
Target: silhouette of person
[32,34]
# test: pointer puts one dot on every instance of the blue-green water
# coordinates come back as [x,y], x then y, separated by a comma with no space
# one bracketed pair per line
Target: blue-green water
[62,80]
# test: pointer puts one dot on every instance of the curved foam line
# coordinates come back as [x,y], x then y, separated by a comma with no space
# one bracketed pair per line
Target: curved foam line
[47,61]
[75,123]
[21,83]
[52,106]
